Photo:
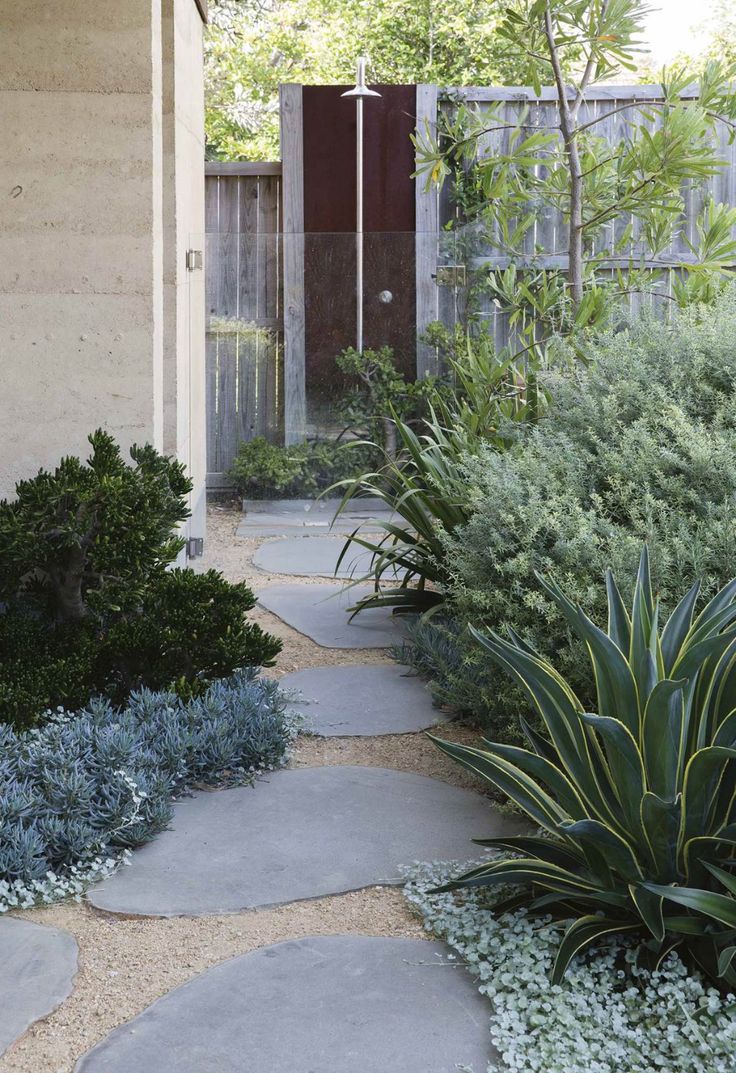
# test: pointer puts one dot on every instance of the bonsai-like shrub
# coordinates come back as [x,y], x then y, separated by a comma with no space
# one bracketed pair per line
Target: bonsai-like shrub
[635,795]
[89,604]
[191,629]
[89,536]
[640,446]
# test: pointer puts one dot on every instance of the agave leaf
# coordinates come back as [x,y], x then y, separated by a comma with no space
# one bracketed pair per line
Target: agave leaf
[583,933]
[722,598]
[619,623]
[509,779]
[723,877]
[717,906]
[558,706]
[698,851]
[642,659]
[526,871]
[626,767]
[539,744]
[726,961]
[661,823]
[703,776]
[649,907]
[677,627]
[543,771]
[615,683]
[617,852]
[725,696]
[543,848]
[663,737]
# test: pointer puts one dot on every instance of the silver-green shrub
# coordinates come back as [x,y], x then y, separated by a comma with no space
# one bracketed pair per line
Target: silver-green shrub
[84,788]
[640,445]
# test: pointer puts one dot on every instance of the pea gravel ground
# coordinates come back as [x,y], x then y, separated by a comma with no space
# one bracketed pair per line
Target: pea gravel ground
[125,964]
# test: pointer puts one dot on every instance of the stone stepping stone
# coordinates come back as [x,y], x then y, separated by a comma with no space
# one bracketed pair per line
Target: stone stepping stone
[321,613]
[300,833]
[288,517]
[363,700]
[38,969]
[331,1004]
[312,556]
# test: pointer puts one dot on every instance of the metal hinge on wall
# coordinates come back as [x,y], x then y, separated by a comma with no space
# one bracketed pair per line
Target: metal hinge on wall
[195,260]
[195,547]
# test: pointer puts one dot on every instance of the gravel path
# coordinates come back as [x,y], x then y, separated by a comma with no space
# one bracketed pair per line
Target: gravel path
[125,964]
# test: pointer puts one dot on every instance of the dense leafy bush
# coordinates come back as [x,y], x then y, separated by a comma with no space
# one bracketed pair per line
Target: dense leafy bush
[88,537]
[192,630]
[189,630]
[263,470]
[639,446]
[610,1013]
[635,800]
[77,792]
[87,604]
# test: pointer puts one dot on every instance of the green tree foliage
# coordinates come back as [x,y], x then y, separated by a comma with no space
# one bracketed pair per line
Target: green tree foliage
[591,181]
[253,45]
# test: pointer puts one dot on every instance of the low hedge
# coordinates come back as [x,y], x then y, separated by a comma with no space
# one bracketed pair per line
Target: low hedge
[78,792]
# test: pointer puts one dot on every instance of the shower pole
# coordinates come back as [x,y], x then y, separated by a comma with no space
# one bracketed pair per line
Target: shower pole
[359,94]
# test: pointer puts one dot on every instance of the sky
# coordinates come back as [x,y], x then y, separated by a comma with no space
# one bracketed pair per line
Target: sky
[677,26]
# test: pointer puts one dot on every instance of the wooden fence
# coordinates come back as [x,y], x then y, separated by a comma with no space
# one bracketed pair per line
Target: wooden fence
[615,110]
[244,355]
[256,347]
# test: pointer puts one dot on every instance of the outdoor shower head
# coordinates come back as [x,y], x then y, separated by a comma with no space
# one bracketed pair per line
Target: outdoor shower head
[361,89]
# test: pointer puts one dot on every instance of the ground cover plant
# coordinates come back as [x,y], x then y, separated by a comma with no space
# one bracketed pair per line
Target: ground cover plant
[610,1014]
[634,796]
[79,791]
[88,602]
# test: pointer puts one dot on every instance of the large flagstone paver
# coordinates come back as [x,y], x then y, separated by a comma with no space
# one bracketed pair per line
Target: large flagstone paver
[289,517]
[362,700]
[321,612]
[310,556]
[330,1004]
[298,834]
[38,969]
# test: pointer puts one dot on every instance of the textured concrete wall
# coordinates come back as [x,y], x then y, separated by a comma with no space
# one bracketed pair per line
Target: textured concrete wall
[92,208]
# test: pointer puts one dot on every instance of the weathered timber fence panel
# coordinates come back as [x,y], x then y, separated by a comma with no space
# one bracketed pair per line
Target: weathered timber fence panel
[258,360]
[616,110]
[244,305]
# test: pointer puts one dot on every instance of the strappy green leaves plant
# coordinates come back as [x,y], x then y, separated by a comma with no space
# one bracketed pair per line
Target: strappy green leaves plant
[636,801]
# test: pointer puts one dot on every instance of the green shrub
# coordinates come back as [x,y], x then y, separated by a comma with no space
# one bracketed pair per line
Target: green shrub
[88,537]
[87,604]
[636,798]
[638,447]
[191,630]
[263,470]
[44,667]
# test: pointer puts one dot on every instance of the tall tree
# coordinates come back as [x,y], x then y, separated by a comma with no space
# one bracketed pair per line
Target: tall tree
[253,45]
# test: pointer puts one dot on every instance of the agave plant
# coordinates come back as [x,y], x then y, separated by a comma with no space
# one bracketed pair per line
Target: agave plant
[637,801]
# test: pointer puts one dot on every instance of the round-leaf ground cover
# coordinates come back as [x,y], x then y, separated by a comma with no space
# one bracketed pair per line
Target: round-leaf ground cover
[330,1004]
[297,834]
[607,1016]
